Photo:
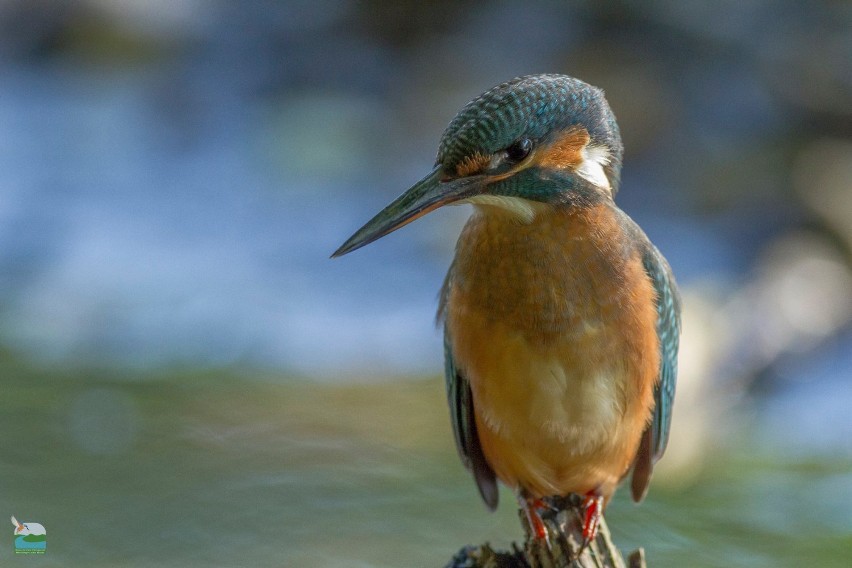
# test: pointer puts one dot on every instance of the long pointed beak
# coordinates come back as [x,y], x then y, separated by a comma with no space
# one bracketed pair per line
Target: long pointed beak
[426,195]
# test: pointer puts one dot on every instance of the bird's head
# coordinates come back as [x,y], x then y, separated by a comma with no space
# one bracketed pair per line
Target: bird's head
[532,142]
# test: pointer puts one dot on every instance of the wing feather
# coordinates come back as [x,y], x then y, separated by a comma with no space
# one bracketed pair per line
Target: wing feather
[460,399]
[656,437]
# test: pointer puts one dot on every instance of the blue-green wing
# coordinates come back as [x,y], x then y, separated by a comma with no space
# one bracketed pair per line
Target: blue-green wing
[656,437]
[668,331]
[460,399]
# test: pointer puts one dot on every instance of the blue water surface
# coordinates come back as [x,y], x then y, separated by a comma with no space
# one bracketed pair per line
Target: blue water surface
[22,544]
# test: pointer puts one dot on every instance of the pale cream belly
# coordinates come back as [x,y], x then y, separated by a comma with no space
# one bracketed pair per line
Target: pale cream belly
[547,424]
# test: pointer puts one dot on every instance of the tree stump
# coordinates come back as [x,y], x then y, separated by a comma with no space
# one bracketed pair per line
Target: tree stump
[564,525]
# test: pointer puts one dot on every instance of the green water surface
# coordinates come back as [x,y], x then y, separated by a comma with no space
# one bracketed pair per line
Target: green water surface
[234,469]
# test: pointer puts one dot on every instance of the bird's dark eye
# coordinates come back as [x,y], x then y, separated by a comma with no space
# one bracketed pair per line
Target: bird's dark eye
[519,150]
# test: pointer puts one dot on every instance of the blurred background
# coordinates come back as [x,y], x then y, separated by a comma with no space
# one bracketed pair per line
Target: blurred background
[189,380]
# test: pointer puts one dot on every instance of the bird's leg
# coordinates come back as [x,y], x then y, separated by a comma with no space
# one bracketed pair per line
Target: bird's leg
[593,504]
[531,507]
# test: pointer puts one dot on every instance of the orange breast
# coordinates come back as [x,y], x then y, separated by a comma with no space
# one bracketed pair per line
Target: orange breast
[553,324]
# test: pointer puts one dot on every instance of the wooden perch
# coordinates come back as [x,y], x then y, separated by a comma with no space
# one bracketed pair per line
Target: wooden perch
[564,524]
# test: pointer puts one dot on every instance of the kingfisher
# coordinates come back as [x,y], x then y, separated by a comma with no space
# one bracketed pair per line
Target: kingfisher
[561,319]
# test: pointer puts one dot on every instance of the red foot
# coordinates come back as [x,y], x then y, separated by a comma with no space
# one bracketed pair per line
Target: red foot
[593,503]
[531,508]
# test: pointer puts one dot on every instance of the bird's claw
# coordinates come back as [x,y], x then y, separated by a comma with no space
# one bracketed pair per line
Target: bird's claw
[593,505]
[531,507]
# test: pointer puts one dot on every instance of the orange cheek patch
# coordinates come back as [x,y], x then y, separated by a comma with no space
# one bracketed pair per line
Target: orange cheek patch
[472,164]
[565,151]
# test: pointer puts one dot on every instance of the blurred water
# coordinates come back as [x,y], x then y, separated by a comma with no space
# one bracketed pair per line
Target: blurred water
[121,245]
[224,471]
[172,185]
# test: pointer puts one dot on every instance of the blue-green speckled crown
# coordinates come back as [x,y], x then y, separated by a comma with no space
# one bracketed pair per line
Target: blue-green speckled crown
[535,106]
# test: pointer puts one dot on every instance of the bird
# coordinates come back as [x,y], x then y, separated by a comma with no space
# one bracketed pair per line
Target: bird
[27,529]
[561,319]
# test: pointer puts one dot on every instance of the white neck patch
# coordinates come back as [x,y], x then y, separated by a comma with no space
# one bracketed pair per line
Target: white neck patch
[592,167]
[522,209]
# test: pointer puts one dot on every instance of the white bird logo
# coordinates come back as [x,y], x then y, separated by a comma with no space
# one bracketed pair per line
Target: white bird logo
[27,528]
